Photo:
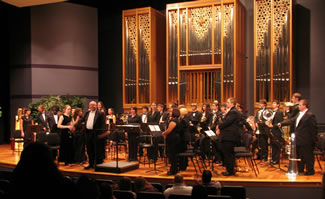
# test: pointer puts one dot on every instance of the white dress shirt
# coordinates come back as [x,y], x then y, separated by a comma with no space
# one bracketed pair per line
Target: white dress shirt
[144,118]
[301,114]
[56,117]
[90,121]
[178,189]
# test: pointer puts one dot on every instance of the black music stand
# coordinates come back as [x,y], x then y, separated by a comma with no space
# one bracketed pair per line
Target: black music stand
[34,128]
[119,166]
[155,130]
[214,138]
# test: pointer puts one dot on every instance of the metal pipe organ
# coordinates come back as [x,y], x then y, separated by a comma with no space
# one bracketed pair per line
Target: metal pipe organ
[143,57]
[206,58]
[273,50]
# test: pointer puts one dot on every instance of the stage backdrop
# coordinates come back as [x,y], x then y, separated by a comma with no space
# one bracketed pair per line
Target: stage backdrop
[54,51]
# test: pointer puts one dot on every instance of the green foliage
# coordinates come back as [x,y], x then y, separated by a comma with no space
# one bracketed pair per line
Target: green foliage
[49,101]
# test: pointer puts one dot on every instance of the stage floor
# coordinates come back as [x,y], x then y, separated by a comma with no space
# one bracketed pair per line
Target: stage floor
[268,176]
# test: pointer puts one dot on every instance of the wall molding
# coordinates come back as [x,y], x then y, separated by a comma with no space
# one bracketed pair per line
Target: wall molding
[58,67]
[37,96]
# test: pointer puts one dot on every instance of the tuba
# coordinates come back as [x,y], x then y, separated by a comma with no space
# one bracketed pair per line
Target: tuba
[291,151]
[268,116]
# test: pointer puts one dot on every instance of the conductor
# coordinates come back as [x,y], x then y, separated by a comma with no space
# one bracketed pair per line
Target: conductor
[95,126]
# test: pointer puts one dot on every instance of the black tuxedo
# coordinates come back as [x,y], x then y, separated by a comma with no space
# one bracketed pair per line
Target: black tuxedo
[52,122]
[306,137]
[195,117]
[230,137]
[276,136]
[96,145]
[41,121]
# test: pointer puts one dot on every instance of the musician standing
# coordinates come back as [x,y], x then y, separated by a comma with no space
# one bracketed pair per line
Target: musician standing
[195,118]
[172,140]
[293,111]
[305,128]
[229,136]
[95,122]
[132,136]
[263,131]
[276,138]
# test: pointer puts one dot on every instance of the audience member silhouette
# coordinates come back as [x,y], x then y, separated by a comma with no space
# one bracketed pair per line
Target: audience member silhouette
[37,176]
[199,192]
[125,184]
[141,184]
[87,188]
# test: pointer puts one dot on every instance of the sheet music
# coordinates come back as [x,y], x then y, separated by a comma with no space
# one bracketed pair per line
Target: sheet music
[210,133]
[154,127]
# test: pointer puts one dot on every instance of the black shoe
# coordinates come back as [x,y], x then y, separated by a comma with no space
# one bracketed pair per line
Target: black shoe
[226,173]
[89,167]
[309,173]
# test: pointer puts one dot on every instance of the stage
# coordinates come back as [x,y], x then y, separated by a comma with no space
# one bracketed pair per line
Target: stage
[268,176]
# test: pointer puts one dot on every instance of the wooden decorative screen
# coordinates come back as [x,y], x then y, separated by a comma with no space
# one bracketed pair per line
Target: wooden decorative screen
[143,57]
[205,48]
[273,50]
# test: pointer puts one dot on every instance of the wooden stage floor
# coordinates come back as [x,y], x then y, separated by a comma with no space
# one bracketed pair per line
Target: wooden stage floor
[268,176]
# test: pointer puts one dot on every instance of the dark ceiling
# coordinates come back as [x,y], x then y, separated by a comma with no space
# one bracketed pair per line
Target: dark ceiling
[126,4]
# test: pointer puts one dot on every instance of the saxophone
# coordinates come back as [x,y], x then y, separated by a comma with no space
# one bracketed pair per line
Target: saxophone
[203,119]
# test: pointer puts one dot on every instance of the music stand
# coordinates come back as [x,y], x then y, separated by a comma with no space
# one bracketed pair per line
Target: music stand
[155,131]
[214,138]
[34,128]
[120,166]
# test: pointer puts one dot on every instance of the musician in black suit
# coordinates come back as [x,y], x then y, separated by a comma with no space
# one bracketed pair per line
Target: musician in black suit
[230,136]
[53,118]
[306,136]
[263,130]
[132,136]
[95,122]
[292,111]
[276,136]
[195,118]
[42,118]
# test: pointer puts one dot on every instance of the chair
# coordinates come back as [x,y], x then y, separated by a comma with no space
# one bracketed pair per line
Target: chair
[150,195]
[118,138]
[212,190]
[41,137]
[4,187]
[236,192]
[158,186]
[219,197]
[320,150]
[191,156]
[246,154]
[145,142]
[17,139]
[124,194]
[53,142]
[179,196]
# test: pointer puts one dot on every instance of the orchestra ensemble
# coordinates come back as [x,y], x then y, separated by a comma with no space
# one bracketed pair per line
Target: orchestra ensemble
[86,137]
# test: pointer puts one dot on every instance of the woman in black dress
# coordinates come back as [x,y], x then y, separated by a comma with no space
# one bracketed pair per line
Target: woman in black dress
[172,140]
[26,120]
[79,137]
[66,128]
[132,136]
